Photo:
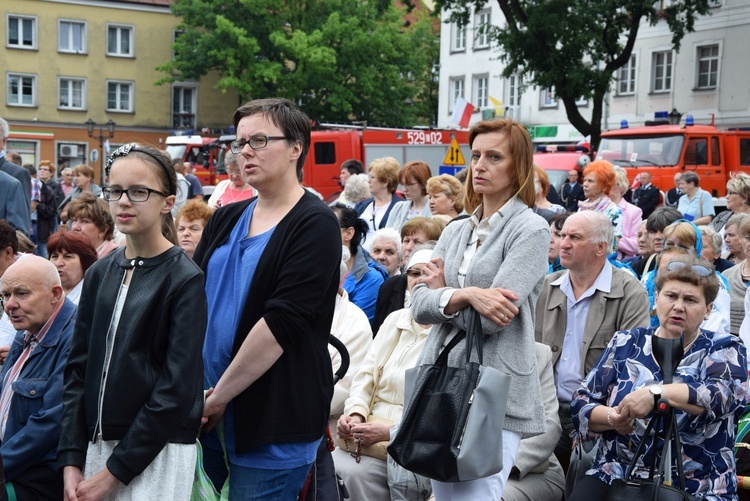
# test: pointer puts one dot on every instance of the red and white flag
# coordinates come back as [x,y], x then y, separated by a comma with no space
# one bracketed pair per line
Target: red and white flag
[462,111]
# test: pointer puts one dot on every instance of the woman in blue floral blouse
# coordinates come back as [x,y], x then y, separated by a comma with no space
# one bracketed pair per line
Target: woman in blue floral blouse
[617,397]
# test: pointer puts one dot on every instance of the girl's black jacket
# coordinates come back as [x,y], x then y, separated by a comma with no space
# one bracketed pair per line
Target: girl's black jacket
[153,388]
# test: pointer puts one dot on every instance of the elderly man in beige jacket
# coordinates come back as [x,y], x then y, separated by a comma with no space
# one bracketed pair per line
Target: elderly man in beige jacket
[580,309]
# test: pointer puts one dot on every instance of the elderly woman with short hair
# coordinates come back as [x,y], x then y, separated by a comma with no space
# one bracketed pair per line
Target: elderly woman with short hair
[386,249]
[383,180]
[732,240]
[90,216]
[711,251]
[83,178]
[356,189]
[738,199]
[707,393]
[631,216]
[696,205]
[446,194]
[598,180]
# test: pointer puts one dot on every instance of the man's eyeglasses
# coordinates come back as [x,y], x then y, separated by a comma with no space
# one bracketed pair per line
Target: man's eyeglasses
[255,142]
[134,194]
[698,269]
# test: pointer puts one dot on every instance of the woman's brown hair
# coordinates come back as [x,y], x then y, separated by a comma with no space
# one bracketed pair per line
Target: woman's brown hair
[521,150]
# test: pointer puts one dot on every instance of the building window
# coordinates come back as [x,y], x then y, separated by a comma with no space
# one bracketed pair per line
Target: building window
[120,96]
[184,99]
[21,90]
[661,69]
[479,91]
[21,32]
[548,98]
[71,36]
[458,37]
[456,91]
[626,77]
[72,94]
[708,67]
[482,30]
[119,40]
[512,94]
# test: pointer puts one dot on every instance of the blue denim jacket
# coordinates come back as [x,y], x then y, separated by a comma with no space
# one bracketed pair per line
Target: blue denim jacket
[34,421]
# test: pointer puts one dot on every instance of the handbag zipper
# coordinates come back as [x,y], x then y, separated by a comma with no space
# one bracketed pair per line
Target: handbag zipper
[463,431]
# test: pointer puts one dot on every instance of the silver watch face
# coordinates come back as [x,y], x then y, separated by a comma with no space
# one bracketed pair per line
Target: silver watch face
[655,389]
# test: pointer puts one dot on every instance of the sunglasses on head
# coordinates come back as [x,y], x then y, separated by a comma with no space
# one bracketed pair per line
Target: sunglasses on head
[698,269]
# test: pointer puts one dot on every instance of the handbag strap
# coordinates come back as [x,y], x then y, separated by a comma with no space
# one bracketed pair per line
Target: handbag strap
[379,374]
[474,334]
[442,359]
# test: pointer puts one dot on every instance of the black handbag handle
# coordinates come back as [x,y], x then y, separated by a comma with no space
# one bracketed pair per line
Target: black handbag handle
[672,435]
[473,337]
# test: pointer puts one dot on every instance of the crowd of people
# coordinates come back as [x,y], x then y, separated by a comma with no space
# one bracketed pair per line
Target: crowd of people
[144,330]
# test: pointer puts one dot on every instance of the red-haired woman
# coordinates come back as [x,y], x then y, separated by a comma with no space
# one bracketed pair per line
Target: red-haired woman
[413,177]
[72,254]
[598,180]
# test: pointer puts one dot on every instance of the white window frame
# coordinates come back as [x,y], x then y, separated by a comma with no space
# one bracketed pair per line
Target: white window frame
[663,84]
[458,37]
[120,27]
[193,102]
[84,36]
[548,98]
[34,31]
[131,96]
[714,62]
[480,89]
[481,32]
[456,89]
[513,92]
[71,80]
[629,72]
[34,89]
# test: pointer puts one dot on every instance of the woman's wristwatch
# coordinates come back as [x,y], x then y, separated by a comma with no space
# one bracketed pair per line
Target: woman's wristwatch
[656,391]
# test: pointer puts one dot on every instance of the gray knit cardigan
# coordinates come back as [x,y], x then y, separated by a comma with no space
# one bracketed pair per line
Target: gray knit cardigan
[514,256]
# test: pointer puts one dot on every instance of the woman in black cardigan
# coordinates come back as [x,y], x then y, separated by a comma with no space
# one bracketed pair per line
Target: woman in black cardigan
[270,306]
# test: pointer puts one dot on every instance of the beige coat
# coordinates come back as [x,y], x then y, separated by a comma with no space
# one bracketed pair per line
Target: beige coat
[624,307]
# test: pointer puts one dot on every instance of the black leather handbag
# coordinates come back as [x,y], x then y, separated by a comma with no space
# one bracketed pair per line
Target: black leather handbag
[451,429]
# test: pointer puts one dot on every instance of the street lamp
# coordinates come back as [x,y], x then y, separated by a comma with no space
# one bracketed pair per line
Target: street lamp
[674,117]
[110,125]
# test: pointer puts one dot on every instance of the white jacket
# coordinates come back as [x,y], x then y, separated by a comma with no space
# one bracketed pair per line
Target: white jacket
[399,329]
[351,326]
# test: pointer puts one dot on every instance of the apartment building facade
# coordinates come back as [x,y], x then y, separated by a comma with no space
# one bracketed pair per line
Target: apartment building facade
[71,61]
[706,77]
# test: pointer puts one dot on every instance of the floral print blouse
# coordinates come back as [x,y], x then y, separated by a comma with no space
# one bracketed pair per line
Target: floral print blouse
[714,368]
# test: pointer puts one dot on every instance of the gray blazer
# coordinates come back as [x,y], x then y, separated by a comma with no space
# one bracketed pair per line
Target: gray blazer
[13,206]
[514,256]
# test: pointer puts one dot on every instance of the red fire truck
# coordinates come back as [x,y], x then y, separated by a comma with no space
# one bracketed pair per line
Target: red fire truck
[664,150]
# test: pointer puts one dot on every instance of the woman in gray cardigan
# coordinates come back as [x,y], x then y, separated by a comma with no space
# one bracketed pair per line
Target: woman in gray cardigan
[493,262]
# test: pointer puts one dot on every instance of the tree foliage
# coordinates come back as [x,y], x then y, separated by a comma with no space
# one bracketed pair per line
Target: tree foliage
[576,45]
[341,60]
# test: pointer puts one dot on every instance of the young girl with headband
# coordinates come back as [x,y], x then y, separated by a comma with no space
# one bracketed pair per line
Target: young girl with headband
[133,394]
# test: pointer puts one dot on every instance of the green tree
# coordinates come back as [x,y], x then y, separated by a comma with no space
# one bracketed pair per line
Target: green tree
[576,45]
[341,60]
